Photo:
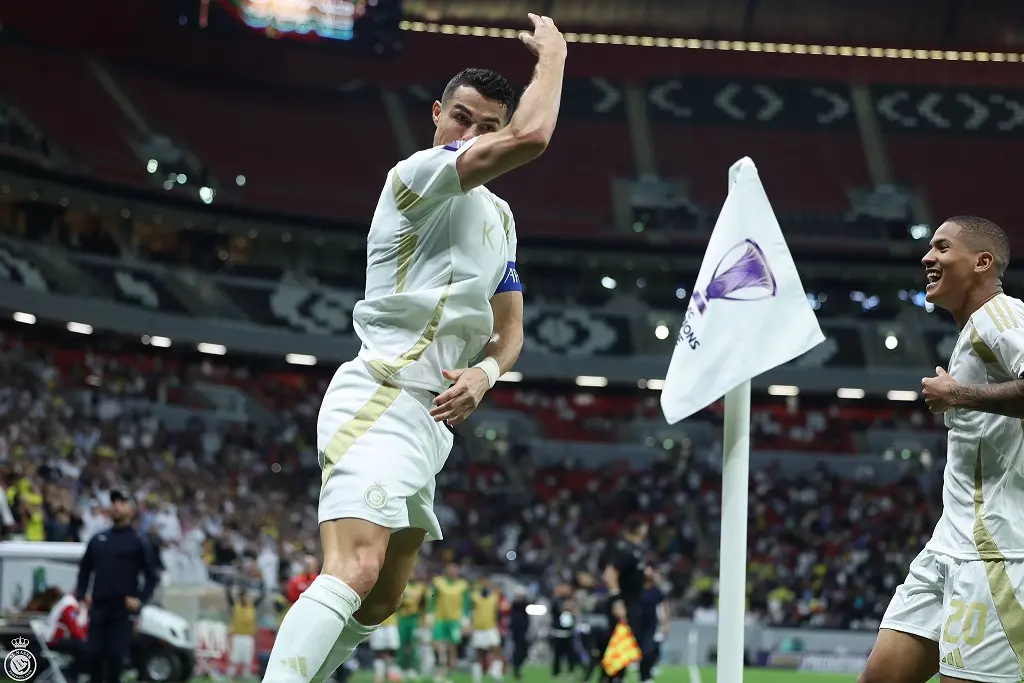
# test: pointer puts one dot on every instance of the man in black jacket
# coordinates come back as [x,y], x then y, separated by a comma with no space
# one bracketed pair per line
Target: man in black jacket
[624,574]
[562,633]
[113,562]
[519,627]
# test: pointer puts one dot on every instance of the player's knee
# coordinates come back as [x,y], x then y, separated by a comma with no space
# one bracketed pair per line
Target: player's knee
[358,568]
[354,552]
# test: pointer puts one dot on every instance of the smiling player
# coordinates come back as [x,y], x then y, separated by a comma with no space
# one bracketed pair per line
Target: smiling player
[959,610]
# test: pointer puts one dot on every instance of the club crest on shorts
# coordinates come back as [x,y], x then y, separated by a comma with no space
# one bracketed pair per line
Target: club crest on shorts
[20,664]
[376,497]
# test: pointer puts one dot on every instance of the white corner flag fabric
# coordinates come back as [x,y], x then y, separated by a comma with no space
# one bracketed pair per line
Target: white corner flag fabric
[748,312]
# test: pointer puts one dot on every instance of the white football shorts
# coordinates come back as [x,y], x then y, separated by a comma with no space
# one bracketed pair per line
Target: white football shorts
[385,639]
[486,639]
[243,651]
[972,608]
[379,452]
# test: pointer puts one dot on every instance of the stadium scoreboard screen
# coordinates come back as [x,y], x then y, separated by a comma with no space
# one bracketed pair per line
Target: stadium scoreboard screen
[373,24]
[328,19]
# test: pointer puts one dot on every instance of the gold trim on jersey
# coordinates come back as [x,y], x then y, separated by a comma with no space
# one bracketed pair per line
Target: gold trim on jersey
[407,242]
[384,370]
[1008,608]
[359,424]
[1001,313]
[981,348]
[405,198]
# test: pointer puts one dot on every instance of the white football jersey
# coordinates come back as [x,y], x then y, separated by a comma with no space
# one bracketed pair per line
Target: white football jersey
[434,258]
[983,490]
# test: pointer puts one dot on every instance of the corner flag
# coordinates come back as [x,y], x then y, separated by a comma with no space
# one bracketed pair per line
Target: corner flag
[748,312]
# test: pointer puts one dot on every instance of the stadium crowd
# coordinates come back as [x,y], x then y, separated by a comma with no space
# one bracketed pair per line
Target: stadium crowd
[825,550]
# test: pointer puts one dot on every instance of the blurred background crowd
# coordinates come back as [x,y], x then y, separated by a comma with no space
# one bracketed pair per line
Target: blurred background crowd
[182,219]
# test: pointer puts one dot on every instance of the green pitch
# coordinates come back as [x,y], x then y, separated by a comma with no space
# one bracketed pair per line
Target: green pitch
[668,675]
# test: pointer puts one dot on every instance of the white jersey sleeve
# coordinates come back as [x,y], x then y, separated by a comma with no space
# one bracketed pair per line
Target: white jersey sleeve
[429,178]
[1007,343]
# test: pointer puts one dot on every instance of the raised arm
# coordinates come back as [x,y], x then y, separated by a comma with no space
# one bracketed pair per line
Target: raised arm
[529,131]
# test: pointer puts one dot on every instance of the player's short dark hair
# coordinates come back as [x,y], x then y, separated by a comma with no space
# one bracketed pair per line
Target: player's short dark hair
[981,234]
[634,523]
[490,84]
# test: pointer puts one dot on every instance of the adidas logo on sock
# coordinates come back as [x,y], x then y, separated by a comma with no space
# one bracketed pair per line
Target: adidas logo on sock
[297,664]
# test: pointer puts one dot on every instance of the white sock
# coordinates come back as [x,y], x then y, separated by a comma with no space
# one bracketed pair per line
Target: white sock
[380,669]
[305,644]
[478,672]
[497,669]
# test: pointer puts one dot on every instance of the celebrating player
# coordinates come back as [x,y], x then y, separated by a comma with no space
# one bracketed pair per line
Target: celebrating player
[485,638]
[449,606]
[441,290]
[958,612]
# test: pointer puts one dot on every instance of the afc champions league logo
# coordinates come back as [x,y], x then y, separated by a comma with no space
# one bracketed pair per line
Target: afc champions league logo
[742,274]
[20,664]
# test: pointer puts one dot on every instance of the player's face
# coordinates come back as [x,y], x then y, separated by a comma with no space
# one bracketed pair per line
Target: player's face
[452,571]
[466,115]
[949,268]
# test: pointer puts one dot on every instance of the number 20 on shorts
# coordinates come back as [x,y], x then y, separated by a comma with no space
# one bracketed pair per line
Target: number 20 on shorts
[966,622]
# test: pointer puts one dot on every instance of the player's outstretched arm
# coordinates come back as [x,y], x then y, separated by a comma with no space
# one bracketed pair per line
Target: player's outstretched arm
[529,131]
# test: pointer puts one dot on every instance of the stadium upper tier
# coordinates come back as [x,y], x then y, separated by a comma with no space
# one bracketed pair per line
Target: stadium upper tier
[580,319]
[821,144]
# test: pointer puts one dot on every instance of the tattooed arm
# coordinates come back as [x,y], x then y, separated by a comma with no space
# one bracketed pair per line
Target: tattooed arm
[1006,398]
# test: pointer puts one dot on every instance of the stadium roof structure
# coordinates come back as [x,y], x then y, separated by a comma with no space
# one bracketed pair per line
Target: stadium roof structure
[927,24]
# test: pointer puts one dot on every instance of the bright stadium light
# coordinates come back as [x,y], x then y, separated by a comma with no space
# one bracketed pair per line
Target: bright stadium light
[536,610]
[661,331]
[591,381]
[26,318]
[846,392]
[901,395]
[511,376]
[783,390]
[162,342]
[300,359]
[609,282]
[655,384]
[212,349]
[891,342]
[79,328]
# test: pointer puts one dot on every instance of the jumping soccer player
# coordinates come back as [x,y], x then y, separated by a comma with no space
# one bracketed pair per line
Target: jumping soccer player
[441,290]
[485,638]
[958,612]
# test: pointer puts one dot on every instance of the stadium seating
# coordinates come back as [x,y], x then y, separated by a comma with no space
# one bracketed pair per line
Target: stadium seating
[97,139]
[295,149]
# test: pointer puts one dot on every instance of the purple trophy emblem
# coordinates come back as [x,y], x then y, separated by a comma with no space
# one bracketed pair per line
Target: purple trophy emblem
[749,278]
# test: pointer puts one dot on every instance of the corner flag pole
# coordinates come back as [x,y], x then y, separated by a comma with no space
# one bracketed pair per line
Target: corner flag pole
[747,314]
[732,572]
